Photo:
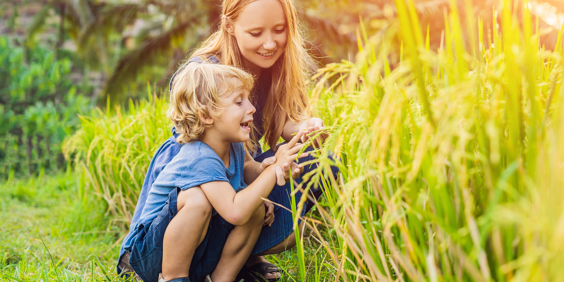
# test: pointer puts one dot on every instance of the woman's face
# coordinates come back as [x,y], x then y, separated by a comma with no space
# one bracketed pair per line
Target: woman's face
[262,33]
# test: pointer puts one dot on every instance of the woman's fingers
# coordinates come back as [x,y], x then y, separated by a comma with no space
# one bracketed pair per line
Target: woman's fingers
[296,173]
[295,139]
[267,162]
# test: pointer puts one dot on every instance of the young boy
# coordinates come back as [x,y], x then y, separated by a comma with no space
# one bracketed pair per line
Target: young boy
[200,218]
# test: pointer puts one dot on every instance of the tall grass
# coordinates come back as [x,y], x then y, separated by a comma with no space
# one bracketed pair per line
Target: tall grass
[113,149]
[451,162]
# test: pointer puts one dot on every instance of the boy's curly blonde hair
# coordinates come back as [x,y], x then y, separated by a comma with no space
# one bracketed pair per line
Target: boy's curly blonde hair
[196,89]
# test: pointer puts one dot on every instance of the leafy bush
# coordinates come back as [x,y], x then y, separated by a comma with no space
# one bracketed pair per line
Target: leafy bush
[39,104]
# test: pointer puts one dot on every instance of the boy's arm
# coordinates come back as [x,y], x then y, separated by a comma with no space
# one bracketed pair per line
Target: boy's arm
[237,208]
[252,169]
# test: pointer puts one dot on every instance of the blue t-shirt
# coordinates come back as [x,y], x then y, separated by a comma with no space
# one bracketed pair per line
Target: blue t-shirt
[196,163]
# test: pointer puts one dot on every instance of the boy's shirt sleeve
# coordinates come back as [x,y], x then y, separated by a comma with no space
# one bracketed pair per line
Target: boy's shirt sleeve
[204,169]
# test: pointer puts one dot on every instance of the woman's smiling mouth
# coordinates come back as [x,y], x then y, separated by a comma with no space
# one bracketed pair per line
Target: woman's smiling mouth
[267,54]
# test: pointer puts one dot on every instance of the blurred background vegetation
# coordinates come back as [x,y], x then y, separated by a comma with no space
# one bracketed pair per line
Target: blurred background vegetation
[62,57]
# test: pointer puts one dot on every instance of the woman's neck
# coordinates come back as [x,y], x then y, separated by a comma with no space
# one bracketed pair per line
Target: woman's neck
[251,68]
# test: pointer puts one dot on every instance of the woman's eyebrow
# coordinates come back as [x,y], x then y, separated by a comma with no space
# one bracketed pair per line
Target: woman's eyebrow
[262,27]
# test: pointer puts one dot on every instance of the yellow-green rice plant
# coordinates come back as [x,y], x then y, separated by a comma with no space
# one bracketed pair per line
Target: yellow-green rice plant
[113,150]
[451,162]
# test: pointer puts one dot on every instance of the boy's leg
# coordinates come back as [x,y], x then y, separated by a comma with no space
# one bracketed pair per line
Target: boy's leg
[185,232]
[238,247]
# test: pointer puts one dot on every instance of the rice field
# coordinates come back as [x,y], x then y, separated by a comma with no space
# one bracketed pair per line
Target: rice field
[449,158]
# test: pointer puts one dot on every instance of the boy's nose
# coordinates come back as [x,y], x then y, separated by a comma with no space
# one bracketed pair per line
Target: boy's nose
[252,109]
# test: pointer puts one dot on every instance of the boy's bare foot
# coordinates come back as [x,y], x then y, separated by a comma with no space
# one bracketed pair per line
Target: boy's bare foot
[261,265]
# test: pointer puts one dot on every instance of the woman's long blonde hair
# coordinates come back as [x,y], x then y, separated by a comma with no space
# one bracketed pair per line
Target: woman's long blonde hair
[288,97]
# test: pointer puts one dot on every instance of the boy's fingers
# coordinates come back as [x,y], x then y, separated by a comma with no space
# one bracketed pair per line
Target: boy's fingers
[295,149]
[280,176]
[303,155]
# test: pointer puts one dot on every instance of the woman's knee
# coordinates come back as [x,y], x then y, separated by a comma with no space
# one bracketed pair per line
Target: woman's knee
[195,200]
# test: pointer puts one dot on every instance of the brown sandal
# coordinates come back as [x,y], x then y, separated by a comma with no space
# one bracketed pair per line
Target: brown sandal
[258,272]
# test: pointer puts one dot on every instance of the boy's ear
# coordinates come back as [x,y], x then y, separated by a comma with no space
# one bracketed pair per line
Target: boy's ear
[205,117]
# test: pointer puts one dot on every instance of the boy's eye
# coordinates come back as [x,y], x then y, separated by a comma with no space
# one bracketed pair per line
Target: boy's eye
[239,102]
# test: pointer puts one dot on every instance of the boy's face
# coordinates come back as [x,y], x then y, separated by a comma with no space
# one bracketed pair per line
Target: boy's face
[237,113]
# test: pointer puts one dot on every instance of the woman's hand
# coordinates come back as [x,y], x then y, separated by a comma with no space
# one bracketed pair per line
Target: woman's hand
[310,127]
[282,173]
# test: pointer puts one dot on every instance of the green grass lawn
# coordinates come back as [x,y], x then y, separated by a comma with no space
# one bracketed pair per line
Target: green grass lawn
[51,232]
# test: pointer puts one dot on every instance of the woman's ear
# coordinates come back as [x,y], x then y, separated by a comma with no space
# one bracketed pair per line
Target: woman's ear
[205,117]
[228,25]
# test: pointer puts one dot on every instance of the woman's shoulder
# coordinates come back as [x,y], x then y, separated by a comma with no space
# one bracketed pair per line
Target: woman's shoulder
[206,58]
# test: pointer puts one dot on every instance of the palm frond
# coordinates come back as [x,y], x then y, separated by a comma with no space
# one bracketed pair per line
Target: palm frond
[148,54]
[83,10]
[328,30]
[144,33]
[114,17]
[38,22]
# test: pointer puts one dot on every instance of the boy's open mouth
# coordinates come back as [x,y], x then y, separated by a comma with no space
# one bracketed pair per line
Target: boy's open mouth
[246,125]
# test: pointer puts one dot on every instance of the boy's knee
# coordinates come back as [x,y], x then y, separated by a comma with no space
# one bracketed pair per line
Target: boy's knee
[195,200]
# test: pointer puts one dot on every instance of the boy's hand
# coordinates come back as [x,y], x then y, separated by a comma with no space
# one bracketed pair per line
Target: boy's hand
[288,152]
[269,215]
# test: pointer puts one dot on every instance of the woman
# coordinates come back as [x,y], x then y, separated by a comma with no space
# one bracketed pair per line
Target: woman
[263,38]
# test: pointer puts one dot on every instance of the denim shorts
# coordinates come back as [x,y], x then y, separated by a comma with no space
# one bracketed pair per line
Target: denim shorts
[147,249]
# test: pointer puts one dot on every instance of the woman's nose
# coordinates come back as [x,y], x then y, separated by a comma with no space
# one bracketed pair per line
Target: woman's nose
[270,44]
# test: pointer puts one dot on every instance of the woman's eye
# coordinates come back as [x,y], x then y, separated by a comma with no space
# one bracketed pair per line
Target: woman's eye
[280,30]
[255,34]
[238,102]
